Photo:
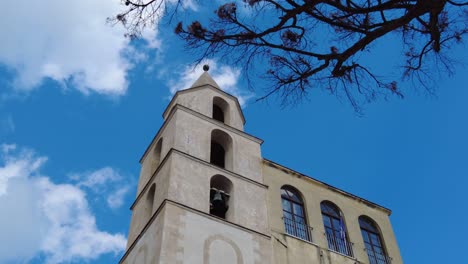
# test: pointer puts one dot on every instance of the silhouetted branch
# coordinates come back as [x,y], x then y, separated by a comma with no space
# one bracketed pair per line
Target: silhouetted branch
[299,57]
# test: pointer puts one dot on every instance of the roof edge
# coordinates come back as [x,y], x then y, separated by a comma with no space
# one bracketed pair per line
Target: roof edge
[353,196]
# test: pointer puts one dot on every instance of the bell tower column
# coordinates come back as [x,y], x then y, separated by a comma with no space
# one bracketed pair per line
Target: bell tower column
[201,197]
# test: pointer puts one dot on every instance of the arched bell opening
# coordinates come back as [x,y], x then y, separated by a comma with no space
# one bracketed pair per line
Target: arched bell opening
[220,194]
[149,201]
[221,149]
[156,160]
[221,110]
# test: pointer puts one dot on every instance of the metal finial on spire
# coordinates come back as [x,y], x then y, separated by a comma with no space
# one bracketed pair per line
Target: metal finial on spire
[206,67]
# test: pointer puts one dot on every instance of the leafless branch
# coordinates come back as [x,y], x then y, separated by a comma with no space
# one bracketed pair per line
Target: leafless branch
[299,59]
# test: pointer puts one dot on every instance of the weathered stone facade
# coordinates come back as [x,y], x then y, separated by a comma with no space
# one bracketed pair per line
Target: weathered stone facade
[172,218]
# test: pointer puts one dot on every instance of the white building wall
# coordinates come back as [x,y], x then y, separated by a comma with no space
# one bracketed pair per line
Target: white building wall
[194,138]
[190,183]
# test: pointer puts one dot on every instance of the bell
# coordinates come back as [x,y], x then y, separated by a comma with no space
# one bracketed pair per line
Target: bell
[218,201]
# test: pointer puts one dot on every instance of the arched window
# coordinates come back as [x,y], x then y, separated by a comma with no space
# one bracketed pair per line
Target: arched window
[149,202]
[295,222]
[156,156]
[221,149]
[220,110]
[373,241]
[220,192]
[335,229]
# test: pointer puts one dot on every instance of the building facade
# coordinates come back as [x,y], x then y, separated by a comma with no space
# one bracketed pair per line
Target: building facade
[206,196]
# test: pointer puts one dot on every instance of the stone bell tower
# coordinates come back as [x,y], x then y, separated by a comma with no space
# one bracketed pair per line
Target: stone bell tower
[201,197]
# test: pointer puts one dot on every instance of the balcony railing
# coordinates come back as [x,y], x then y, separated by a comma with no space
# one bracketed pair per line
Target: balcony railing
[378,258]
[338,244]
[298,229]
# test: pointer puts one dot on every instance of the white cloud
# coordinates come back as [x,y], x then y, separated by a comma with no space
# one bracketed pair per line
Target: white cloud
[19,168]
[105,182]
[69,42]
[96,179]
[225,76]
[45,218]
[116,199]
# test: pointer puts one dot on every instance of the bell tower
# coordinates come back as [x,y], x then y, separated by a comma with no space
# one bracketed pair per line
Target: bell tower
[201,198]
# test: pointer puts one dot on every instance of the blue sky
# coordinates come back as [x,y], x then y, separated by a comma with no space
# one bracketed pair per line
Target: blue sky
[79,104]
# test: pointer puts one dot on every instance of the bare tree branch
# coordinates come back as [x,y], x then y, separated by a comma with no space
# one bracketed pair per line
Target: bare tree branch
[298,58]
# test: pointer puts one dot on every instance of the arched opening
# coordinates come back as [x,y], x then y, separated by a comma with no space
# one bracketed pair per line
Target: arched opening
[218,113]
[149,202]
[218,154]
[220,194]
[156,155]
[295,222]
[220,110]
[335,228]
[373,241]
[221,149]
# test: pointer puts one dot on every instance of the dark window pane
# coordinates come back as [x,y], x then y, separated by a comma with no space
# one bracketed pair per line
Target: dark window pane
[218,113]
[375,239]
[330,234]
[378,250]
[330,209]
[293,196]
[336,224]
[365,236]
[368,246]
[326,221]
[286,205]
[298,210]
[217,154]
[367,224]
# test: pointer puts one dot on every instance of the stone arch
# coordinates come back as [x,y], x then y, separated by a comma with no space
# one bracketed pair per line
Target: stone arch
[221,151]
[209,241]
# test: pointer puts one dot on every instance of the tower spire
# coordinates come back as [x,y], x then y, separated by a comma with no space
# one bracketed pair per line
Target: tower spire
[205,79]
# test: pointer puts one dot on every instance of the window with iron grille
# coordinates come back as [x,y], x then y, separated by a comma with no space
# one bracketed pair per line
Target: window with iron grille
[293,214]
[335,229]
[373,241]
